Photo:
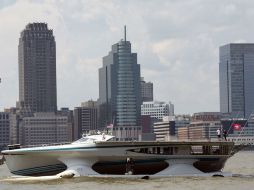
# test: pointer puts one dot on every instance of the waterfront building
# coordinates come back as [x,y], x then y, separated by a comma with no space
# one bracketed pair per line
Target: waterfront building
[16,115]
[4,129]
[146,90]
[45,128]
[147,123]
[165,129]
[66,112]
[183,133]
[171,109]
[147,127]
[181,121]
[236,68]
[203,125]
[85,118]
[243,133]
[37,68]
[119,92]
[157,109]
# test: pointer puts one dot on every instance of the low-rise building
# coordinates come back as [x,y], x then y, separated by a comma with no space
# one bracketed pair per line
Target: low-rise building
[16,115]
[181,121]
[85,118]
[202,126]
[157,109]
[4,129]
[45,128]
[164,130]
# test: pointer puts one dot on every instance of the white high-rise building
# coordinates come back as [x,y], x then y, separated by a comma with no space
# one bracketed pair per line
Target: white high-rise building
[157,109]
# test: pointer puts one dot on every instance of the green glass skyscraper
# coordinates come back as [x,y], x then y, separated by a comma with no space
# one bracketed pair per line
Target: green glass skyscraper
[119,91]
[237,79]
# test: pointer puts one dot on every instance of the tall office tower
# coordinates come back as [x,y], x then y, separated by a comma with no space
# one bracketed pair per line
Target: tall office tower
[85,118]
[37,68]
[146,90]
[119,91]
[237,79]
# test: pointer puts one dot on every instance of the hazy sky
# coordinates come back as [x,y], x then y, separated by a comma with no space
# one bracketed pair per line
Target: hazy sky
[177,43]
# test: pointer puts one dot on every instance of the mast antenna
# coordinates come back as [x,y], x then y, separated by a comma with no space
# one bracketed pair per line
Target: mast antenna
[125,33]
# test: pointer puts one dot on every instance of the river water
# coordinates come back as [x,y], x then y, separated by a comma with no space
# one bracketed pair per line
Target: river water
[241,165]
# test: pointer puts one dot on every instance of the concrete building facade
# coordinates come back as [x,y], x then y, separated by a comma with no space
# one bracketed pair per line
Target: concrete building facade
[157,109]
[164,130]
[45,128]
[85,118]
[181,121]
[202,126]
[4,129]
[16,115]
[37,68]
[146,90]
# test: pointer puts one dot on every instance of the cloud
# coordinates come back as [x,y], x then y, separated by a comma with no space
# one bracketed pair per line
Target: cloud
[177,44]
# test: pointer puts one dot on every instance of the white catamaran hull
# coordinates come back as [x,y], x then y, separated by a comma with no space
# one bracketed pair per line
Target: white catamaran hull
[109,158]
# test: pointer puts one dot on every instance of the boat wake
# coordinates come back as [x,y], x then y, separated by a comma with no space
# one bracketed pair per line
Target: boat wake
[243,175]
[131,177]
[29,179]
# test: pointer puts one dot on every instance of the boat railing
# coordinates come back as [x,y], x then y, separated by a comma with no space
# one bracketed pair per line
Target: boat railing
[98,132]
[42,145]
[185,149]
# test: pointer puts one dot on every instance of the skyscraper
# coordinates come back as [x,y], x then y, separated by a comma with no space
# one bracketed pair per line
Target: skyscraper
[119,91]
[37,68]
[237,79]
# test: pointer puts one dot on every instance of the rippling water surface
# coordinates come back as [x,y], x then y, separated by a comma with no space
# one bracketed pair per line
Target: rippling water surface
[241,165]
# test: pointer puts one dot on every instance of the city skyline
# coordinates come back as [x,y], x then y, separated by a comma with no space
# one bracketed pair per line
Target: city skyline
[179,54]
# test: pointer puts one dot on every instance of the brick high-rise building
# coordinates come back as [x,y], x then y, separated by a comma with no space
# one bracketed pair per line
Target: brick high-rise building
[37,68]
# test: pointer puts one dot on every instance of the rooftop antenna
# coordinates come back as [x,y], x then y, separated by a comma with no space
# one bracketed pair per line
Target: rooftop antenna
[125,33]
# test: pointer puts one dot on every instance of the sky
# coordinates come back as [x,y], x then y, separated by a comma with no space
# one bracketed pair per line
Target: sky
[177,42]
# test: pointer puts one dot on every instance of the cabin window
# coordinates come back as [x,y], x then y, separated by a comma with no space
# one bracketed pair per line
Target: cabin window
[158,150]
[215,149]
[197,149]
